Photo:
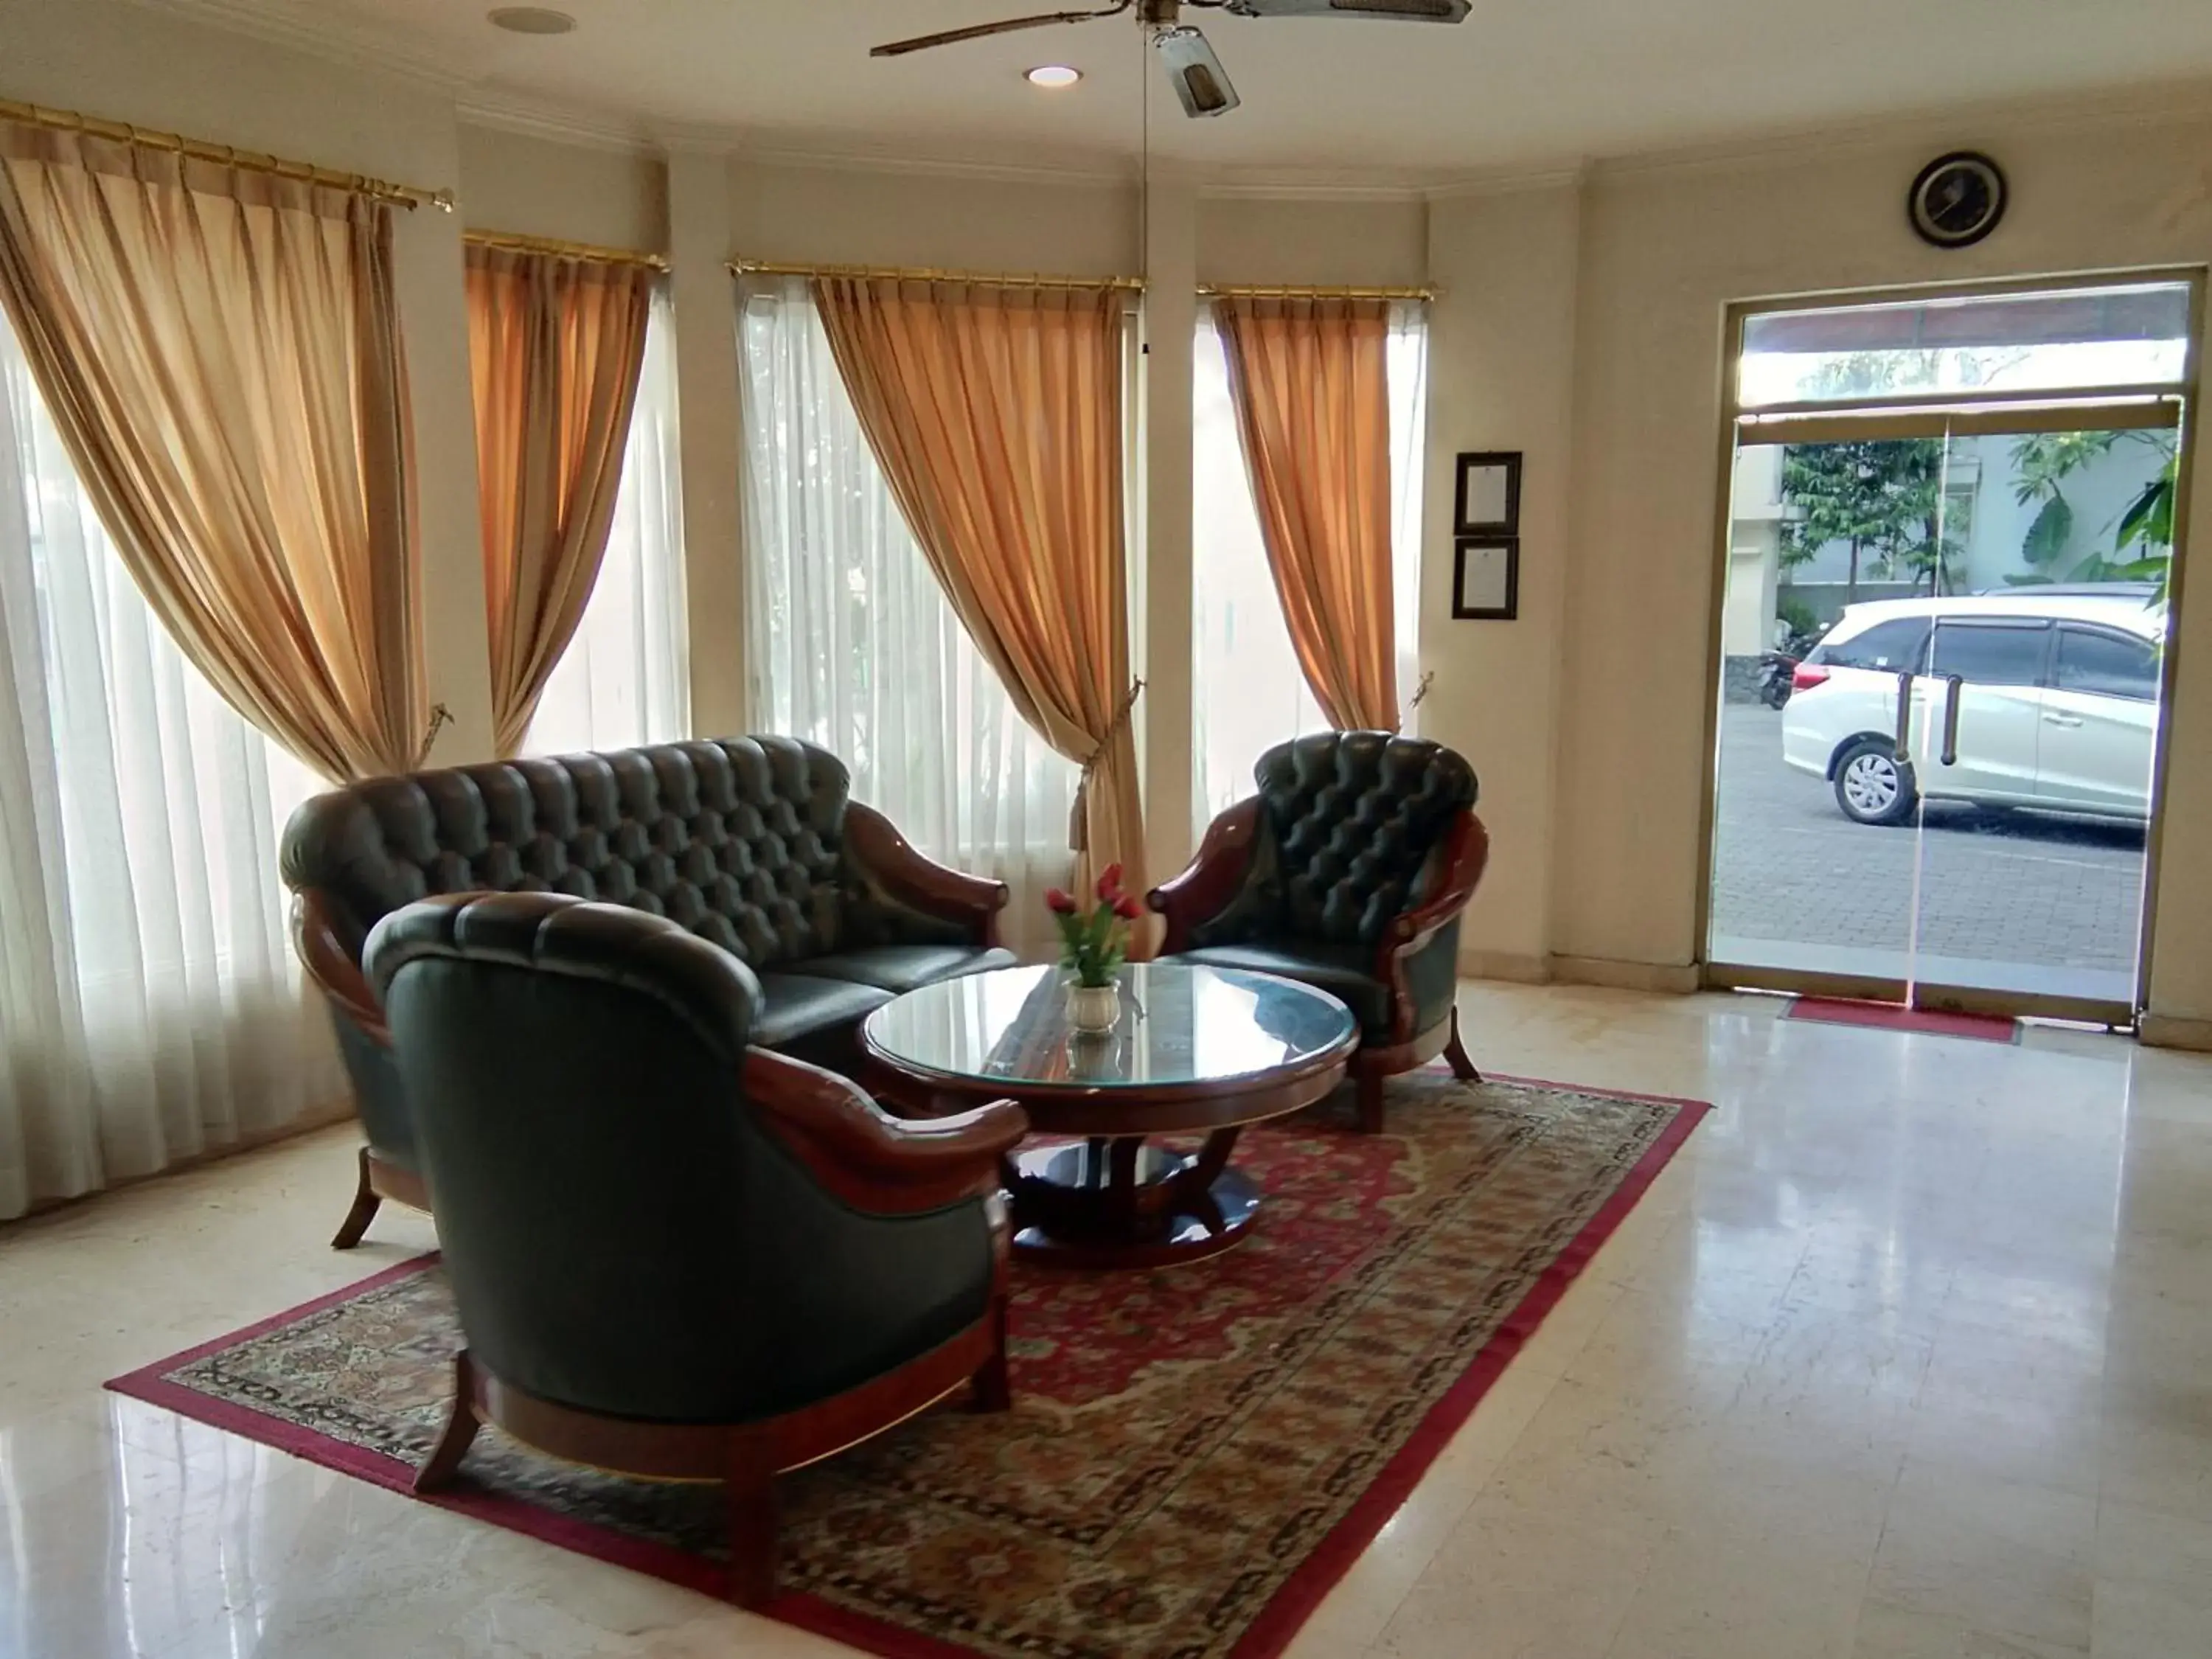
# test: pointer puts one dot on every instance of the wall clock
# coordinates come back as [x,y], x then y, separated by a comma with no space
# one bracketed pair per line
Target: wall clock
[1958,199]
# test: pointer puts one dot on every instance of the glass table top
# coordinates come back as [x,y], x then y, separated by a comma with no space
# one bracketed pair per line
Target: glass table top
[1178,1025]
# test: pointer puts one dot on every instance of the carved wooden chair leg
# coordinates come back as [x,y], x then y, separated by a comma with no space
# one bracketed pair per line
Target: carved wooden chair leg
[1455,1052]
[1370,1085]
[366,1202]
[993,1393]
[444,1461]
[749,1495]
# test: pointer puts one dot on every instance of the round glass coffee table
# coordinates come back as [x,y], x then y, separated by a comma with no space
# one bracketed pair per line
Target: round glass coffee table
[1196,1051]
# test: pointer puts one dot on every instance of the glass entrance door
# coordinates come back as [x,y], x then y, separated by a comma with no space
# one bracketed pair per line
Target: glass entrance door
[1943,650]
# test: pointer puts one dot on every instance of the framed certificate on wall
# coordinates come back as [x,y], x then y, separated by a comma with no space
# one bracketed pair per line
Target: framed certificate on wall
[1487,501]
[1486,578]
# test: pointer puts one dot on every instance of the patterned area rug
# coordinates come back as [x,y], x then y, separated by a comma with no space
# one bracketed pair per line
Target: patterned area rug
[1193,1457]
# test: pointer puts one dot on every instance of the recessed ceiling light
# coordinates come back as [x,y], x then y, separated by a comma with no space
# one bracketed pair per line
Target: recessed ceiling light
[531,20]
[1053,75]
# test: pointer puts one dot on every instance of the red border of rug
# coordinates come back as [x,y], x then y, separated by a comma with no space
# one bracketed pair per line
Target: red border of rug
[1893,1017]
[1264,1639]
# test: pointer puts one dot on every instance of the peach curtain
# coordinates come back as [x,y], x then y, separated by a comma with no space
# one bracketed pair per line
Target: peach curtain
[220,352]
[996,414]
[1310,382]
[556,347]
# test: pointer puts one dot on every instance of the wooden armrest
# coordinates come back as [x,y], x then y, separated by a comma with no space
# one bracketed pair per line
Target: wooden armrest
[873,1161]
[1204,890]
[334,967]
[874,843]
[1465,852]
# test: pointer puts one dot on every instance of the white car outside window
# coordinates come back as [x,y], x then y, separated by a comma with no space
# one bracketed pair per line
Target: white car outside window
[2043,698]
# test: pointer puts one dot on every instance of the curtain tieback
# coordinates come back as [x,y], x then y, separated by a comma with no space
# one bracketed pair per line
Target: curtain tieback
[1078,821]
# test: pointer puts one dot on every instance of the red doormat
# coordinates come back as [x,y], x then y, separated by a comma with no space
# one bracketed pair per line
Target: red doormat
[1194,1455]
[1892,1017]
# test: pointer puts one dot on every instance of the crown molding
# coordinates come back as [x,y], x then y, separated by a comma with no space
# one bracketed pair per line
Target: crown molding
[2150,104]
[336,41]
[531,117]
[1092,170]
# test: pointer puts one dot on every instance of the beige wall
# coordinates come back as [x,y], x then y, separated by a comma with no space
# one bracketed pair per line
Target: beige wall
[1319,240]
[1664,251]
[849,215]
[533,186]
[1501,357]
[1580,320]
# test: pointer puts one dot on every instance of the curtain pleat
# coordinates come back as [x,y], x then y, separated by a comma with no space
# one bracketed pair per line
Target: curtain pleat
[1310,382]
[853,647]
[556,345]
[996,414]
[220,352]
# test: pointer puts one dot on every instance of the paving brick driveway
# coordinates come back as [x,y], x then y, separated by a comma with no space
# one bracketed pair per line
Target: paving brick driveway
[2052,891]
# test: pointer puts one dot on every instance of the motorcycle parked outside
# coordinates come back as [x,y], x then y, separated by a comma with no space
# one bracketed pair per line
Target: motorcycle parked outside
[1778,668]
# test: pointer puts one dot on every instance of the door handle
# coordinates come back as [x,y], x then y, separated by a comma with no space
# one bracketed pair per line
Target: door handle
[1903,716]
[1951,719]
[2062,719]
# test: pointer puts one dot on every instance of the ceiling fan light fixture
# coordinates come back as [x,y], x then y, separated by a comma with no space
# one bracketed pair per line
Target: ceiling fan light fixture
[1200,80]
[1053,76]
[1406,11]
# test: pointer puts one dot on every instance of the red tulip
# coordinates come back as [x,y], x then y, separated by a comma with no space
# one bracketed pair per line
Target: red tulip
[1060,901]
[1127,909]
[1109,881]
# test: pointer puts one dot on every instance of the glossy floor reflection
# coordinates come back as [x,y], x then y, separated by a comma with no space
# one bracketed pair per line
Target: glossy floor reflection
[1908,1356]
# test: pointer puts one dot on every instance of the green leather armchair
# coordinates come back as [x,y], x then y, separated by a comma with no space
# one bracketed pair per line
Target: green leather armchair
[676,1256]
[1347,871]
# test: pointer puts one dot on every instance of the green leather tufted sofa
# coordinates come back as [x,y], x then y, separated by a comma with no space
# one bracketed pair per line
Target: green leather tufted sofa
[752,843]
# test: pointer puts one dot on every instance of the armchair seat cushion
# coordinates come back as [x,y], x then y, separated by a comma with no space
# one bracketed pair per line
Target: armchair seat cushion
[795,1005]
[1342,970]
[902,968]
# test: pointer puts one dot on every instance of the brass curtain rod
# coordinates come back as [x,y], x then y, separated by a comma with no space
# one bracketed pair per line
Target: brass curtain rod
[1242,291]
[928,274]
[585,251]
[63,120]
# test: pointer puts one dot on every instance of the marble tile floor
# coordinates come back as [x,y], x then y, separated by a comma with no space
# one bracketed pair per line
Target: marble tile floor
[1908,1356]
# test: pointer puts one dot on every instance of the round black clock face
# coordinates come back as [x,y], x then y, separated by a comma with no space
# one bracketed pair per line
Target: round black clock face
[1958,199]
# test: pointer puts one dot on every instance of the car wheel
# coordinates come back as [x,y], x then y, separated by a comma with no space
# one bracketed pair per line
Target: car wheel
[1872,786]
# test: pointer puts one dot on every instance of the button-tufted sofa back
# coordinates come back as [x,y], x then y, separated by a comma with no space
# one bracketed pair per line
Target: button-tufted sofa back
[1348,820]
[738,840]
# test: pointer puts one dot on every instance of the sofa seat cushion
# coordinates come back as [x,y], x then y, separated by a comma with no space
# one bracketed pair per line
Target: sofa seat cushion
[794,1006]
[901,968]
[1342,970]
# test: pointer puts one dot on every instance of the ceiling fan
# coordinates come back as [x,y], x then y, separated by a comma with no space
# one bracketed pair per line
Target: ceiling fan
[1200,81]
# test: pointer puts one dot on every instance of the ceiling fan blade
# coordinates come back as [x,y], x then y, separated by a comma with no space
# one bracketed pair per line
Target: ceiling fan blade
[1396,11]
[1200,81]
[981,31]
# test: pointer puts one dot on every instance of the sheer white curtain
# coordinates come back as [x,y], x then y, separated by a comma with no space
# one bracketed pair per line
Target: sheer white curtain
[625,677]
[151,1006]
[1249,693]
[853,646]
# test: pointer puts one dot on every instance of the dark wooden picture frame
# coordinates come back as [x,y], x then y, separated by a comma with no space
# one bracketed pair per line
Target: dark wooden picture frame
[1471,466]
[1489,606]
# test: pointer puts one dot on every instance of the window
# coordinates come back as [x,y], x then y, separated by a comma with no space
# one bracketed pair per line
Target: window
[2057,340]
[1891,646]
[625,677]
[1984,654]
[150,1006]
[1248,692]
[2109,665]
[854,645]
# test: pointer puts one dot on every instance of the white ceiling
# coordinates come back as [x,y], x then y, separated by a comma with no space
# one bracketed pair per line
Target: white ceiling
[1523,83]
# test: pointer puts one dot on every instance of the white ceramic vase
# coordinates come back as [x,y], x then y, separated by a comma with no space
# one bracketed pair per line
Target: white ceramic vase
[1094,1008]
